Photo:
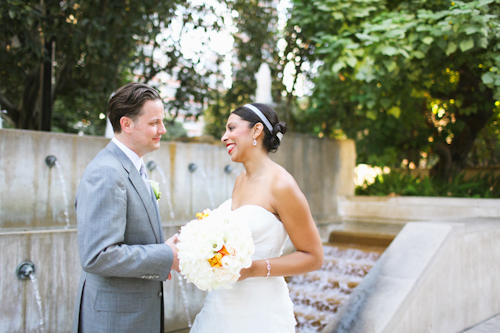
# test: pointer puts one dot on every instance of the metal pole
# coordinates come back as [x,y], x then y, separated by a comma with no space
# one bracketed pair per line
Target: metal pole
[47,89]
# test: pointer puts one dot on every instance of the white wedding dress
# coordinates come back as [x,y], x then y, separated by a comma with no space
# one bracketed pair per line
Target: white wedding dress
[254,304]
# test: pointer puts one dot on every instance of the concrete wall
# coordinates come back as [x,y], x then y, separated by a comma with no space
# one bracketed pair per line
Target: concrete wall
[33,226]
[390,214]
[324,170]
[32,195]
[57,269]
[434,277]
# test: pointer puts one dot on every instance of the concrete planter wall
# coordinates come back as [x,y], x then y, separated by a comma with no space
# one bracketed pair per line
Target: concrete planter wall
[33,224]
[438,275]
[434,277]
[390,214]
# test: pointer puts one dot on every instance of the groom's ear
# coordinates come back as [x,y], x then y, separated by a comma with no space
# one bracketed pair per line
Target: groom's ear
[126,124]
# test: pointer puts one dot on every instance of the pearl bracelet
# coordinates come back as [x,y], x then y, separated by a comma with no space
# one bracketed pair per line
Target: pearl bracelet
[268,269]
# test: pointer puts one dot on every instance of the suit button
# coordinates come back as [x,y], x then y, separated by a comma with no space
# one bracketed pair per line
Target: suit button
[160,294]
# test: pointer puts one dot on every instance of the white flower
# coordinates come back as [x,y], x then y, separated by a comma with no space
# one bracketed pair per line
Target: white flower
[156,189]
[213,249]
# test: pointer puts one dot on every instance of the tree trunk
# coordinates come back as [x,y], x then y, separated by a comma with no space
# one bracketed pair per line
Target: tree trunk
[31,105]
[442,169]
[46,91]
[453,157]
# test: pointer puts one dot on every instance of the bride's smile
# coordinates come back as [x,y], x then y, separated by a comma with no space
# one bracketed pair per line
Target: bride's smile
[230,147]
[238,135]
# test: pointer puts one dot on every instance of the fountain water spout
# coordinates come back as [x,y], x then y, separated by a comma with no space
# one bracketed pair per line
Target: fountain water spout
[24,270]
[228,169]
[50,161]
[192,167]
[151,165]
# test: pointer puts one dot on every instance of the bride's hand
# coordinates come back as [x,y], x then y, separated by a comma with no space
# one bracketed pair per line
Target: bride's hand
[258,269]
[252,271]
[244,273]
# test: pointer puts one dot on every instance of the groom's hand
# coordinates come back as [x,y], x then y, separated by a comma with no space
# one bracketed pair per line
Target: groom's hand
[171,242]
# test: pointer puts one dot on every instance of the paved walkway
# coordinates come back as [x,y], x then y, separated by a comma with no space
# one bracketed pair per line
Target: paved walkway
[491,325]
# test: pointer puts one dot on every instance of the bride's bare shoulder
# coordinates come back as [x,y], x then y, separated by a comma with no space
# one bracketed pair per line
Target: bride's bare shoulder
[283,180]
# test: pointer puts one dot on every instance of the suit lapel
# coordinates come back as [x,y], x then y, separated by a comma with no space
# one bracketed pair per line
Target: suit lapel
[145,193]
[157,209]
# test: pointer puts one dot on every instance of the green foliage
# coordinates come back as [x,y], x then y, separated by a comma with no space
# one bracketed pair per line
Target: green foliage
[174,130]
[400,77]
[486,149]
[482,185]
[404,79]
[254,43]
[98,46]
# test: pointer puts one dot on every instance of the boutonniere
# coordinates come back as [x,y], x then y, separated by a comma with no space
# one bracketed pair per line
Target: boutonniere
[156,189]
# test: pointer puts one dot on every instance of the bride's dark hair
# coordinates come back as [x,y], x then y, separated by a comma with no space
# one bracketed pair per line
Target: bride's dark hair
[271,141]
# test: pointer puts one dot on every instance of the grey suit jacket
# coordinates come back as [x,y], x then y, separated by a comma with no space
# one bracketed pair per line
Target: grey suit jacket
[122,250]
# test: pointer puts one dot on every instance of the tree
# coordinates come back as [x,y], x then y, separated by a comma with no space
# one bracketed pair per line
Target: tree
[96,47]
[255,42]
[406,79]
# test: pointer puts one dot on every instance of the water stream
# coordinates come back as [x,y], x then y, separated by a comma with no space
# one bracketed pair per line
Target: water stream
[64,192]
[209,189]
[318,295]
[184,298]
[38,301]
[167,190]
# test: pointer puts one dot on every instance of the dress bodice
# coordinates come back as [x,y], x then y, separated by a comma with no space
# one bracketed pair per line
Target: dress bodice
[256,304]
[268,233]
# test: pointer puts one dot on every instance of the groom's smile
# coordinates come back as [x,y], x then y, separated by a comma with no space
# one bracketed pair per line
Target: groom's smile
[148,128]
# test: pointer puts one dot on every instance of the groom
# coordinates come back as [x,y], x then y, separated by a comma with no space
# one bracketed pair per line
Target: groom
[120,240]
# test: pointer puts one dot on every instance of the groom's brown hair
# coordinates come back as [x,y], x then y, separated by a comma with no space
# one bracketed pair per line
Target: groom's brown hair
[128,102]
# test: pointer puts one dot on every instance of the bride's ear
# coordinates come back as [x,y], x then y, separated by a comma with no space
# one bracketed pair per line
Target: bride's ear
[257,130]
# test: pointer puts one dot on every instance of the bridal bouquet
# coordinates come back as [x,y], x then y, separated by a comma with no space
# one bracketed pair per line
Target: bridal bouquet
[213,249]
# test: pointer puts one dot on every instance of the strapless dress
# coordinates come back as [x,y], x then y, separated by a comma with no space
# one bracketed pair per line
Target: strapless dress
[254,304]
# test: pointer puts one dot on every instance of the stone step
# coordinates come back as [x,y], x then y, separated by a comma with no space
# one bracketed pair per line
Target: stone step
[309,319]
[373,225]
[360,238]
[321,300]
[352,267]
[354,251]
[323,280]
[348,257]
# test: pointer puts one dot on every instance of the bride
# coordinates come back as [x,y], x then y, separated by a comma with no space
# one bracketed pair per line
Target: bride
[267,197]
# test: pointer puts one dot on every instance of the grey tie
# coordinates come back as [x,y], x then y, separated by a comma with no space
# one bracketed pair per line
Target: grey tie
[144,176]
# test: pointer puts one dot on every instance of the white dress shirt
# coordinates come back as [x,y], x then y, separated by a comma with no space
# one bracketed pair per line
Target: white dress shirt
[136,160]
